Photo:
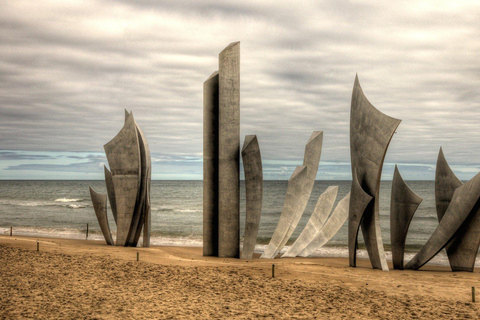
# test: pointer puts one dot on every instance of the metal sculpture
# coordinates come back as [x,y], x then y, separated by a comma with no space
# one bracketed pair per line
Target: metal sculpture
[334,223]
[370,135]
[221,146]
[297,197]
[403,204]
[463,206]
[100,206]
[463,248]
[315,223]
[128,185]
[252,164]
[289,214]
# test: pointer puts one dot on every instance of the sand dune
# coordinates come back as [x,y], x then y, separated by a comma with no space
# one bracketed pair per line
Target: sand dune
[73,279]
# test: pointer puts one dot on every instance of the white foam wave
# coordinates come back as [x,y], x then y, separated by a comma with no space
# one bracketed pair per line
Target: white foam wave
[76,206]
[68,200]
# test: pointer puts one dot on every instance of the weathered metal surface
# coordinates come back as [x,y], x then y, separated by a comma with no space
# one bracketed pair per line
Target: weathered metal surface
[210,165]
[334,223]
[252,164]
[290,212]
[111,192]
[100,206]
[462,249]
[123,155]
[359,201]
[315,223]
[403,204]
[138,216]
[311,159]
[370,135]
[464,201]
[229,152]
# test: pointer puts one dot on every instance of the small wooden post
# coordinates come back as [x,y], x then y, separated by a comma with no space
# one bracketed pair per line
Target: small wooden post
[86,237]
[273,271]
[138,256]
[473,294]
[38,246]
[11,231]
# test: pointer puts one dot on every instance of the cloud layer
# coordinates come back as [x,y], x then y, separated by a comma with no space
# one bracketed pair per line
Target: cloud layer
[68,69]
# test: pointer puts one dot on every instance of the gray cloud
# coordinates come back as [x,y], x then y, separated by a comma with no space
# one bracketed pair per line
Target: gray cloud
[68,71]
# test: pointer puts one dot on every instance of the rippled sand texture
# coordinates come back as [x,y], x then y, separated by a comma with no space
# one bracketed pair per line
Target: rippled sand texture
[73,279]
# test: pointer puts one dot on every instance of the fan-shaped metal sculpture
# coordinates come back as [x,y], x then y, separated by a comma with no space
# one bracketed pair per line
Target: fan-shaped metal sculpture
[464,202]
[296,202]
[252,164]
[403,204]
[128,184]
[315,223]
[289,214]
[334,223]
[463,248]
[370,135]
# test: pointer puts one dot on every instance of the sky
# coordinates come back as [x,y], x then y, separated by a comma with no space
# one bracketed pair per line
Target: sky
[68,69]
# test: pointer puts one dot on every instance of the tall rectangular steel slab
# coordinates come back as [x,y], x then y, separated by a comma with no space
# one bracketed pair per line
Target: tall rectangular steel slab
[229,152]
[210,165]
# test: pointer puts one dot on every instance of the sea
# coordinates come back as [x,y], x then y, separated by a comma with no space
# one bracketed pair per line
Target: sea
[63,209]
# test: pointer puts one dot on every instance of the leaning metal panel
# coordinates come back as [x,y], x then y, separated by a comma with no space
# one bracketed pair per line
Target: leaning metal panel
[446,182]
[463,248]
[100,206]
[403,204]
[334,223]
[210,166]
[289,213]
[229,152]
[359,201]
[315,223]
[138,218]
[252,164]
[370,135]
[111,192]
[123,155]
[313,150]
[464,201]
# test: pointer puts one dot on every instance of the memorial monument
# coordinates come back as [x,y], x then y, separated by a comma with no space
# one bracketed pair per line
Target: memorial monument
[128,186]
[370,135]
[221,145]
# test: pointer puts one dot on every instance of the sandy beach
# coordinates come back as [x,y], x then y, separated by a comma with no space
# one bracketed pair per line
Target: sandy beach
[73,279]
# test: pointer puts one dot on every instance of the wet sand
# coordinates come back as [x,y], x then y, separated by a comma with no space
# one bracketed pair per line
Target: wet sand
[71,279]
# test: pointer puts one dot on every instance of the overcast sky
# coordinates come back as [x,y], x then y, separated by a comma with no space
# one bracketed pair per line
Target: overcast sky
[69,68]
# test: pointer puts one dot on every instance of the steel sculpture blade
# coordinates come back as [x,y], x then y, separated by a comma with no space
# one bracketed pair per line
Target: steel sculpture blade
[138,216]
[147,216]
[252,164]
[334,223]
[370,135]
[229,152]
[462,249]
[289,214]
[123,155]
[313,150]
[315,223]
[359,202]
[446,182]
[210,165]
[100,206]
[111,192]
[463,203]
[403,204]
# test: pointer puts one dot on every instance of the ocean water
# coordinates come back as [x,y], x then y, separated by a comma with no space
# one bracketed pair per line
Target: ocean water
[63,209]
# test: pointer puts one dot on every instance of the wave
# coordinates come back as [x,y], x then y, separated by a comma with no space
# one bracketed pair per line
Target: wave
[68,200]
[76,206]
